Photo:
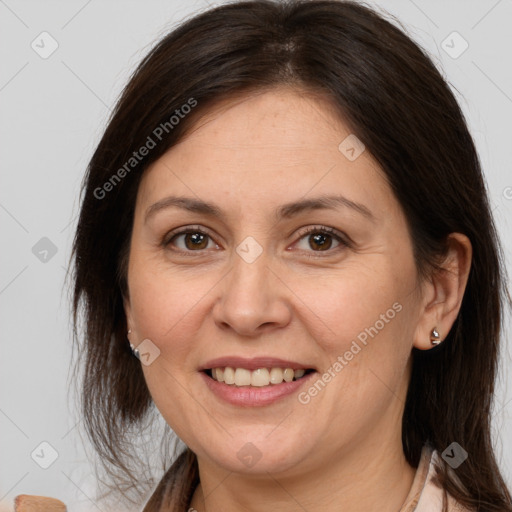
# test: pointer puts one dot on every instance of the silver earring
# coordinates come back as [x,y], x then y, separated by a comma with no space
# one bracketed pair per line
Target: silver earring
[135,352]
[435,339]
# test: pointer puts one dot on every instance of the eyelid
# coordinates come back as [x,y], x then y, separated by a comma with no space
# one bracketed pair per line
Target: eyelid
[185,229]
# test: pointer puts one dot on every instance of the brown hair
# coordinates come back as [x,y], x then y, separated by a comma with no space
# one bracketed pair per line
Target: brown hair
[397,103]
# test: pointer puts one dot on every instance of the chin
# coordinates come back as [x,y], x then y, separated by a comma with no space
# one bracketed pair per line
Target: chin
[257,453]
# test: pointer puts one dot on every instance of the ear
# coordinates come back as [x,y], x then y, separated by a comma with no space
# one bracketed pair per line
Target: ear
[443,293]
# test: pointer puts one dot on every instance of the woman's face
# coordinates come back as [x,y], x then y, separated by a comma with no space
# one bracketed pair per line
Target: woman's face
[300,259]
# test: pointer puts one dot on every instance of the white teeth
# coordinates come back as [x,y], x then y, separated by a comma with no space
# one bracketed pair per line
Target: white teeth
[257,378]
[299,373]
[242,377]
[276,375]
[260,377]
[229,375]
[288,375]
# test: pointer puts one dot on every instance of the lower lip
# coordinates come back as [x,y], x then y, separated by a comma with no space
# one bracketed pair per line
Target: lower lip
[252,396]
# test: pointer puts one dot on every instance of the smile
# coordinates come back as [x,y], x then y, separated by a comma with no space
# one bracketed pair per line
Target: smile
[243,393]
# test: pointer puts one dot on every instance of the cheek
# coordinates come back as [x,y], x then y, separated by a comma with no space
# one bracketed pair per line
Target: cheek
[365,322]
[356,302]
[162,308]
[167,306]
[365,318]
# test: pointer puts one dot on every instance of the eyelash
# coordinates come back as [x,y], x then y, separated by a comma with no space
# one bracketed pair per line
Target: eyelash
[325,230]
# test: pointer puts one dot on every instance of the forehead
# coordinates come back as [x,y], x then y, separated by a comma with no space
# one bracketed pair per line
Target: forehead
[281,119]
[278,144]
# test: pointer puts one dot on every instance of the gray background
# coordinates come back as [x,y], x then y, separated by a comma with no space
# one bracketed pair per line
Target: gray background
[54,110]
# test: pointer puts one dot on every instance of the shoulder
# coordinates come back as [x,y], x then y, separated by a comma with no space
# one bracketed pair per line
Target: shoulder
[425,495]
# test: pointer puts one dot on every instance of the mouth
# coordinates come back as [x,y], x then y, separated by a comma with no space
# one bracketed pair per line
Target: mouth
[258,378]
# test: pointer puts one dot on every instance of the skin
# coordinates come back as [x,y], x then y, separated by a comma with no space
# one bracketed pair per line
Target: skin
[342,450]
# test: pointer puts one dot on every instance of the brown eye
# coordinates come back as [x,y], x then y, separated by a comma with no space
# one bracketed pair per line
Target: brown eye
[195,240]
[320,241]
[190,241]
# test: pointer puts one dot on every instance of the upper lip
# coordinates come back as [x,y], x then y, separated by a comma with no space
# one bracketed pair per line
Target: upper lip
[253,363]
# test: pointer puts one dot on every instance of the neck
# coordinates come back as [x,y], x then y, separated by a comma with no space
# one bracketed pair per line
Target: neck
[360,480]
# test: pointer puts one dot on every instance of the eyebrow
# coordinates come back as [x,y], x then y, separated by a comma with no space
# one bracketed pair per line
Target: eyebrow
[286,211]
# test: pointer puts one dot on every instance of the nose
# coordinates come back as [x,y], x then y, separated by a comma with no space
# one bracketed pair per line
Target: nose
[253,299]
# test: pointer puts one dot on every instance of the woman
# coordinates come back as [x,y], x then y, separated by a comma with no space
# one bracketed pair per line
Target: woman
[286,223]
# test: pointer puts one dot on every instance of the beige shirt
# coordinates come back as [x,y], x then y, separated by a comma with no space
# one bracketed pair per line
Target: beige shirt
[424,495]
